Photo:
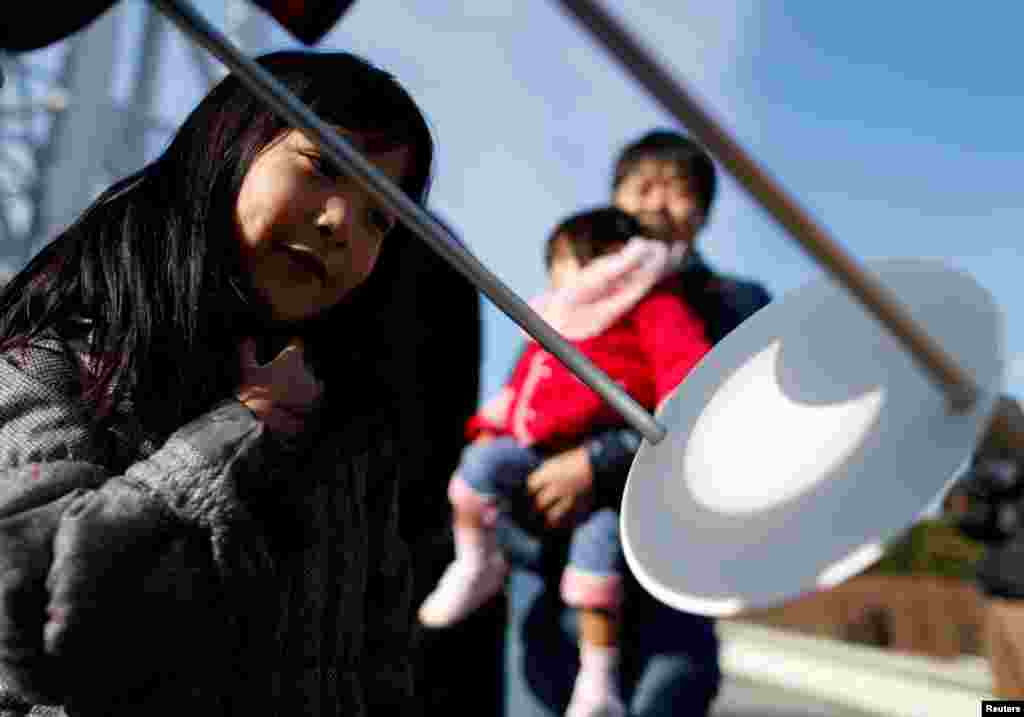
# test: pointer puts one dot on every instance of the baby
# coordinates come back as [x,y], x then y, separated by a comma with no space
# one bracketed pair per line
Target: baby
[606,299]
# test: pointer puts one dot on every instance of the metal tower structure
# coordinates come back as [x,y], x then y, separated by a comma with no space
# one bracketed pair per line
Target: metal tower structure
[95,107]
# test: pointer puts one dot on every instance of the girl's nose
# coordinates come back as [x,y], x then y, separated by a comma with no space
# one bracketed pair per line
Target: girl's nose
[333,222]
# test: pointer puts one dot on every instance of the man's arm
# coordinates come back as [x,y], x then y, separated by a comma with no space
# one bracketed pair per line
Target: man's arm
[610,454]
[748,297]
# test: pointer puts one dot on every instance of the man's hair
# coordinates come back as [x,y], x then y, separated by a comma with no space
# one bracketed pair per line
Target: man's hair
[690,159]
[592,233]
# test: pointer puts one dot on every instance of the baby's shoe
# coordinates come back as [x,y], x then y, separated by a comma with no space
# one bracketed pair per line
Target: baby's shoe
[465,586]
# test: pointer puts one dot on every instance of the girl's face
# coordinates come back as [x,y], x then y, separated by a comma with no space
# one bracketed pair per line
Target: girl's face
[308,234]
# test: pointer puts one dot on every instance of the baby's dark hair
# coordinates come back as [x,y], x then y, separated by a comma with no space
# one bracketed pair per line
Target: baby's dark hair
[592,233]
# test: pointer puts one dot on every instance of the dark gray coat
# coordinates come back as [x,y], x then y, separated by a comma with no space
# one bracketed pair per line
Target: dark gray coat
[215,572]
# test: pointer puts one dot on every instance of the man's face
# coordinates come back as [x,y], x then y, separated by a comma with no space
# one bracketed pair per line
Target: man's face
[661,199]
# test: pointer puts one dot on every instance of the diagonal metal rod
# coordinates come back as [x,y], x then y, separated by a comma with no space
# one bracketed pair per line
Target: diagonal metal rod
[959,388]
[339,151]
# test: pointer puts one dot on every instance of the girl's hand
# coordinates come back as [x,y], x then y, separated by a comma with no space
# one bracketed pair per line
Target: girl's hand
[282,393]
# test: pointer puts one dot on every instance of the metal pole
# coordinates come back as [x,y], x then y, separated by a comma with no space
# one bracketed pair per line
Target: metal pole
[960,389]
[293,111]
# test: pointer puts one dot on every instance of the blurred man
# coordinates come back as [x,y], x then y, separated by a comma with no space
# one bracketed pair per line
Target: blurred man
[669,658]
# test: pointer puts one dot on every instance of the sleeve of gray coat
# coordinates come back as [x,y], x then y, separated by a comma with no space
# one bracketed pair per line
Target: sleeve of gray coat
[139,562]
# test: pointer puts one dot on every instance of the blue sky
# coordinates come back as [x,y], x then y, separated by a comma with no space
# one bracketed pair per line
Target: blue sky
[895,124]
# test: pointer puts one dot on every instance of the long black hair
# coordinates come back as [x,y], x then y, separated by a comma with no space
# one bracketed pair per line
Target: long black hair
[153,266]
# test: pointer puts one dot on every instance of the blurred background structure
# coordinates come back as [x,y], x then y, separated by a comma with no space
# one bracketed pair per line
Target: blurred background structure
[79,114]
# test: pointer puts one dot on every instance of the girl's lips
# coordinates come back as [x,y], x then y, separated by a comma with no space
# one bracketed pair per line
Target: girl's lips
[308,260]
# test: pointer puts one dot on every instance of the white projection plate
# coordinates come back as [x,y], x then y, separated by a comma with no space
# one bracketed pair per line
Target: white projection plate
[804,440]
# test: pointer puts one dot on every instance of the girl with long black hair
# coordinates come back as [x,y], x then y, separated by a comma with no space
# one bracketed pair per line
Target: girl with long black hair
[198,483]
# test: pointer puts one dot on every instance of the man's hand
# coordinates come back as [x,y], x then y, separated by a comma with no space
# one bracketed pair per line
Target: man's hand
[484,437]
[562,488]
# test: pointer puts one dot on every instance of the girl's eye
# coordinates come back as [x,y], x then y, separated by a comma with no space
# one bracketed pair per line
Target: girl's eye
[380,220]
[324,166]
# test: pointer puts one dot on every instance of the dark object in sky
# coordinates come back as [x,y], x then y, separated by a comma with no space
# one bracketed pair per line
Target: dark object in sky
[307,20]
[48,24]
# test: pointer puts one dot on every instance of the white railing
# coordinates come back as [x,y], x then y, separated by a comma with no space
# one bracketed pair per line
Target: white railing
[861,677]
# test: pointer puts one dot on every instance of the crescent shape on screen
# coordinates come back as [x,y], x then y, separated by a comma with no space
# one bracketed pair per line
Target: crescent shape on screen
[798,447]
